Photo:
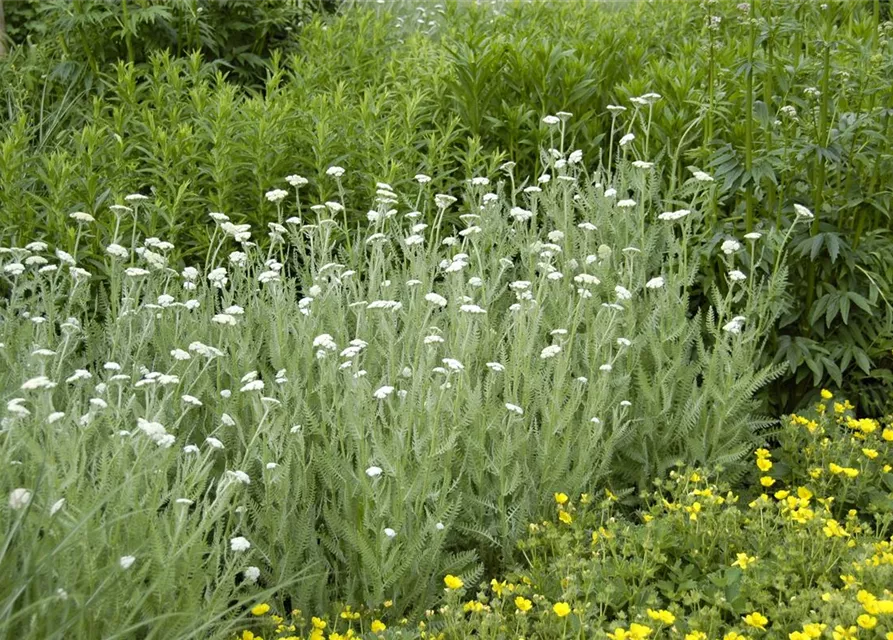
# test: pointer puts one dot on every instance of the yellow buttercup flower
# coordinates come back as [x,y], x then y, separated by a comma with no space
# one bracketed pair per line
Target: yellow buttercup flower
[561,609]
[260,609]
[845,633]
[565,517]
[743,561]
[764,464]
[639,631]
[866,621]
[453,583]
[871,454]
[734,635]
[756,620]
[661,615]
[848,581]
[826,395]
[814,629]
[767,481]
[377,626]
[473,606]
[833,529]
[696,635]
[523,604]
[618,634]
[887,434]
[317,623]
[797,635]
[561,498]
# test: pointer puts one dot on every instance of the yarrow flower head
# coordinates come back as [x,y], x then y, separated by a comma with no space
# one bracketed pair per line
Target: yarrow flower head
[802,212]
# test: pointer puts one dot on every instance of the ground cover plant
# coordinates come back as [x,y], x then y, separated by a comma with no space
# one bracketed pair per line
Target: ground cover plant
[487,336]
[801,550]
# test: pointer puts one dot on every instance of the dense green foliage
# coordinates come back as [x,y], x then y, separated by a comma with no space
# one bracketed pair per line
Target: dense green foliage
[573,247]
[393,90]
[398,382]
[810,557]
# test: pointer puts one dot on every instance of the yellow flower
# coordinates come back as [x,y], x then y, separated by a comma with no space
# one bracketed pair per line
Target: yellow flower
[317,623]
[561,498]
[474,606]
[695,477]
[734,635]
[826,395]
[833,529]
[561,609]
[378,626]
[639,631]
[696,635]
[781,494]
[662,615]
[756,620]
[849,472]
[762,453]
[814,629]
[766,481]
[743,561]
[565,517]
[764,464]
[693,511]
[523,604]
[836,469]
[497,586]
[845,633]
[848,581]
[248,635]
[797,635]
[871,454]
[866,621]
[803,493]
[619,634]
[452,582]
[887,434]
[260,609]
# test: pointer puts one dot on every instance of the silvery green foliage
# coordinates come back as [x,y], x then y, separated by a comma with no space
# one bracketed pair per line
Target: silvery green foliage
[354,420]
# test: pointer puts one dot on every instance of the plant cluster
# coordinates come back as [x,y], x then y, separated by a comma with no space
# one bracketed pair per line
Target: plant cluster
[176,120]
[357,417]
[803,551]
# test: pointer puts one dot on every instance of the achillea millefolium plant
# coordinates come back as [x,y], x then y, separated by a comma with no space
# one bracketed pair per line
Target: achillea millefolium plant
[352,419]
